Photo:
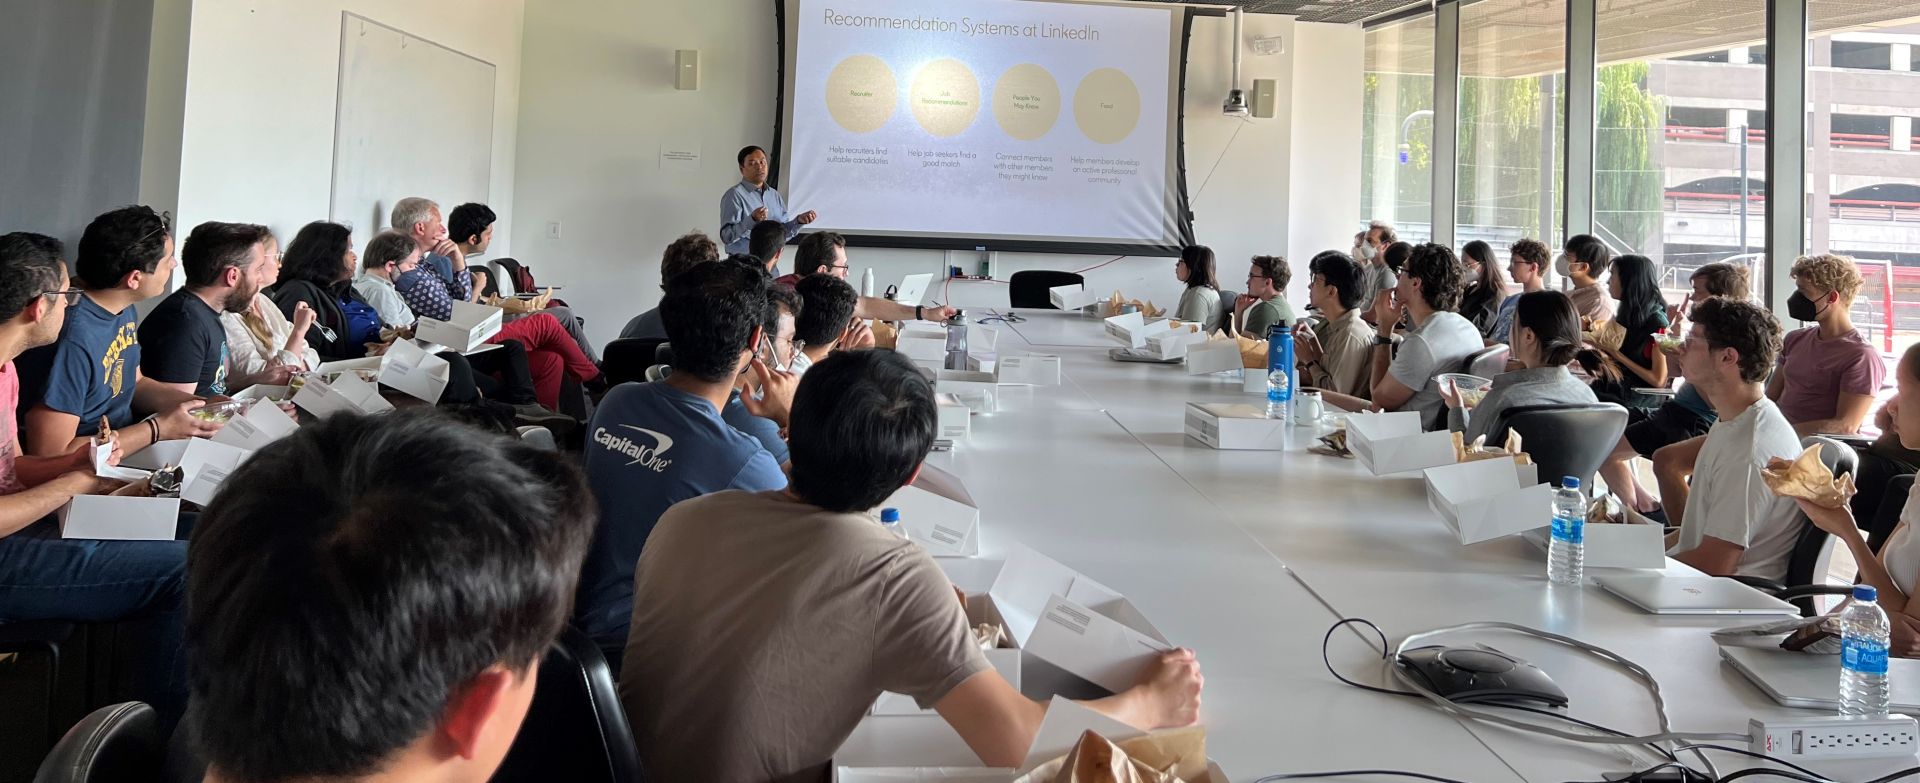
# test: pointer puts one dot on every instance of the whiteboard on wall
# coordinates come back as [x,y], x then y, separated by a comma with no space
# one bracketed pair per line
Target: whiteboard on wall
[413,118]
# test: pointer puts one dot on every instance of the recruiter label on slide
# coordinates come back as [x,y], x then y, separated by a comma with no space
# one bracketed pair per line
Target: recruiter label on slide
[982,118]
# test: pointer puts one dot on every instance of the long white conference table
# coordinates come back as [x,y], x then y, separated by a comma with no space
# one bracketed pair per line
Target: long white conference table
[1249,557]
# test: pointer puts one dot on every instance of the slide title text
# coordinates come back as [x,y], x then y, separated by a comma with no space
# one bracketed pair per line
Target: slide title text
[967,26]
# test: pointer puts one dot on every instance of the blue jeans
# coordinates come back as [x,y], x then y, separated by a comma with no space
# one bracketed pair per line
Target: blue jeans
[140,585]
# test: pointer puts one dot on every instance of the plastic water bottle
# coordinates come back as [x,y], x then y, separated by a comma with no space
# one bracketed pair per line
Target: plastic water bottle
[866,282]
[1864,634]
[890,519]
[1280,371]
[957,341]
[1566,554]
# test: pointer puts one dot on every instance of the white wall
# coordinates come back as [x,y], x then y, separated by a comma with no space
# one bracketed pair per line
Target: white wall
[1328,98]
[262,77]
[598,101]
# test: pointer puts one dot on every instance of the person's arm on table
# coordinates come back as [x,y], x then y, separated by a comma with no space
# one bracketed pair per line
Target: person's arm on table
[999,723]
[1714,556]
[34,471]
[875,308]
[26,507]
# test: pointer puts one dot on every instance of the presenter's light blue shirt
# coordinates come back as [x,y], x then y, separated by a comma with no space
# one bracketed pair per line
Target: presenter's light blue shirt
[736,214]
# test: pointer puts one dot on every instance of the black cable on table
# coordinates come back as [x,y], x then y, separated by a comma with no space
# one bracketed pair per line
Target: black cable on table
[1761,756]
[1349,773]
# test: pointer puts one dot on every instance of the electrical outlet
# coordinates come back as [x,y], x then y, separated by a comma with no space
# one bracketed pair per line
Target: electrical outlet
[1833,737]
[553,229]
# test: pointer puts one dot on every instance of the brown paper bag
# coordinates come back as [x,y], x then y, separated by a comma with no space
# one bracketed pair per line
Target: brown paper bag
[518,306]
[885,335]
[1169,757]
[1808,478]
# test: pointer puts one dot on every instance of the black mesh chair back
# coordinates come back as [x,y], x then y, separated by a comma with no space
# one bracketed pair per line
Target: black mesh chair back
[627,360]
[575,729]
[1565,440]
[118,743]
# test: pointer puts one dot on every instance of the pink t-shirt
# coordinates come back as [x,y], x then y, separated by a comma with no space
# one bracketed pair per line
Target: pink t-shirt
[1817,372]
[9,401]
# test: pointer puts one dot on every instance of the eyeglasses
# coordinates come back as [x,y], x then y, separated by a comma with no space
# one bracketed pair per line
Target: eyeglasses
[1251,276]
[166,224]
[70,295]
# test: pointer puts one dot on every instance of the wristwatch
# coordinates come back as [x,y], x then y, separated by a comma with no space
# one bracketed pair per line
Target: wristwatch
[1378,340]
[917,314]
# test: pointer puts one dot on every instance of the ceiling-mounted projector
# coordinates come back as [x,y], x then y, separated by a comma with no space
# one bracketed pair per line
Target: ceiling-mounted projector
[1236,105]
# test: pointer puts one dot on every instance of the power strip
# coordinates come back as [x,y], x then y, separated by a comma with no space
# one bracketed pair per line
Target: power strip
[1835,737]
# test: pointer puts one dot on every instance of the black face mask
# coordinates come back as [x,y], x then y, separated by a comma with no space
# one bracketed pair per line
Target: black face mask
[1800,308]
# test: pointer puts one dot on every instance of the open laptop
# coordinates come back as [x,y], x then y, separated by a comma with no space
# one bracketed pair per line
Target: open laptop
[1803,680]
[1657,594]
[911,289]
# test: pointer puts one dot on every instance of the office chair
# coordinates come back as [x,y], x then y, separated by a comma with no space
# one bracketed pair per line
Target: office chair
[1227,298]
[1812,547]
[114,744]
[627,360]
[1028,288]
[39,639]
[575,729]
[1489,361]
[1565,440]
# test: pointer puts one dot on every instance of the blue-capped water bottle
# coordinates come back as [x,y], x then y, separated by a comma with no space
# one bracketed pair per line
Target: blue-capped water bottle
[890,519]
[1280,371]
[1864,636]
[1566,553]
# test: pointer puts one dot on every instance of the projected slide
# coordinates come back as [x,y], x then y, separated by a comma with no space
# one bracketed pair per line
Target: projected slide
[983,119]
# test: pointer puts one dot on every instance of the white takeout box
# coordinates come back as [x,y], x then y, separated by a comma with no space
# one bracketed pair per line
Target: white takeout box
[1490,498]
[956,419]
[921,348]
[347,394]
[205,466]
[468,327]
[1134,329]
[938,513]
[365,363]
[157,455]
[1253,380]
[261,391]
[1005,660]
[979,391]
[1174,343]
[1393,443]
[101,453]
[1235,426]
[1213,356]
[1083,627]
[411,369]
[1030,370]
[263,423]
[923,328]
[1614,545]
[907,745]
[120,518]
[1071,297]
[923,775]
[983,340]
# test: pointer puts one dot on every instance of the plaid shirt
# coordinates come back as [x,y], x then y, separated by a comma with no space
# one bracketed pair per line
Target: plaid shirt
[429,296]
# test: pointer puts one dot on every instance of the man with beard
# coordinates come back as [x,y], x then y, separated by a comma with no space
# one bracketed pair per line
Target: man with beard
[184,344]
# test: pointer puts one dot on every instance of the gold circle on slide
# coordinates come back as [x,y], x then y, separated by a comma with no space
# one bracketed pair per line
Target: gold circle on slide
[945,97]
[860,93]
[1106,106]
[1026,101]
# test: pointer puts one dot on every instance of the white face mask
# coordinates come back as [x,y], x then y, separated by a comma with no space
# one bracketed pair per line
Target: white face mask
[1562,267]
[1368,251]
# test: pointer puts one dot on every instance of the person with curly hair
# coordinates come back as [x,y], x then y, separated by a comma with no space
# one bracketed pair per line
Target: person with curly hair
[1829,374]
[1440,341]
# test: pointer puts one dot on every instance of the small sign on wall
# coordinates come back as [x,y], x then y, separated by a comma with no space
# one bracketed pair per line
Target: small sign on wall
[680,156]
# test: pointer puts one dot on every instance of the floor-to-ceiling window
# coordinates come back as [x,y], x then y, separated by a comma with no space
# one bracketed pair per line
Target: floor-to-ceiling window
[1396,177]
[1512,108]
[1863,171]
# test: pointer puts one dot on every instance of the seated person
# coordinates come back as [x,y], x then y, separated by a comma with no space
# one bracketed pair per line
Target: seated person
[781,352]
[1829,374]
[1200,300]
[826,251]
[1584,262]
[1336,351]
[827,322]
[44,576]
[260,337]
[807,608]
[390,254]
[1264,305]
[551,353]
[470,226]
[318,278]
[1546,333]
[1527,263]
[1441,340]
[397,633]
[1881,461]
[694,248]
[419,219]
[1486,287]
[1638,362]
[183,344]
[1892,569]
[93,370]
[655,444]
[767,242]
[1734,525]
[1679,422]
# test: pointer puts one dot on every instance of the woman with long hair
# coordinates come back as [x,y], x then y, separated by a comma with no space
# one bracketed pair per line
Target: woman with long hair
[317,271]
[1638,362]
[1200,302]
[1486,287]
[1546,334]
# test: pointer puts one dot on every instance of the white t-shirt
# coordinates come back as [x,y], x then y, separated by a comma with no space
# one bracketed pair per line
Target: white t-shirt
[1901,552]
[1730,502]
[1441,345]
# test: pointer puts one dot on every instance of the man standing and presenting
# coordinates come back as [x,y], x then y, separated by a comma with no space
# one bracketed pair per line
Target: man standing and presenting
[753,200]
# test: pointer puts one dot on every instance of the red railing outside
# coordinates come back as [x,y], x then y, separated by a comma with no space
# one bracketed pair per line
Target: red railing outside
[1874,141]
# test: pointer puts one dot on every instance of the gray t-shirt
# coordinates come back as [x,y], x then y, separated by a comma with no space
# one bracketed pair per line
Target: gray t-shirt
[1440,345]
[645,326]
[1517,389]
[1732,503]
[763,629]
